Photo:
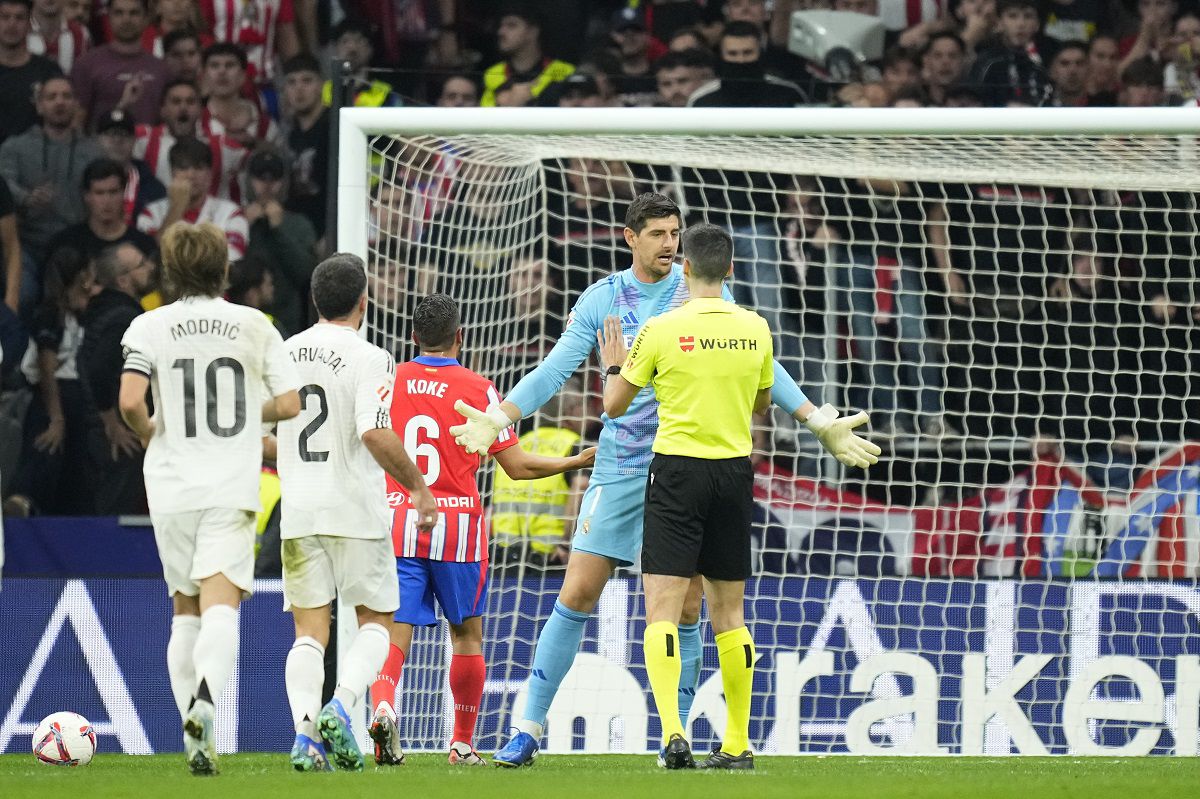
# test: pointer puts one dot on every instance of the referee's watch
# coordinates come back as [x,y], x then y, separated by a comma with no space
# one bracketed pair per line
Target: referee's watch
[612,370]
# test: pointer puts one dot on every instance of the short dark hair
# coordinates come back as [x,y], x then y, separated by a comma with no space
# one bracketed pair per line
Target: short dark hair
[1073,44]
[896,54]
[692,57]
[709,250]
[467,76]
[175,83]
[338,283]
[435,322]
[225,48]
[174,37]
[1004,5]
[650,206]
[305,62]
[103,169]
[357,25]
[951,35]
[1144,71]
[523,9]
[189,152]
[244,276]
[741,29]
[28,4]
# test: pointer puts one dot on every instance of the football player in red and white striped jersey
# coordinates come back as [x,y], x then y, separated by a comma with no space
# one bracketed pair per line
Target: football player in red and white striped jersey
[449,562]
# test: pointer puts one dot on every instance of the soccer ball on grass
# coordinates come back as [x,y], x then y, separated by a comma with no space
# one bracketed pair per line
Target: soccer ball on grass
[64,739]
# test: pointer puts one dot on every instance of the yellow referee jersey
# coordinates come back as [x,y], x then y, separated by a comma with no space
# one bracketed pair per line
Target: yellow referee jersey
[707,360]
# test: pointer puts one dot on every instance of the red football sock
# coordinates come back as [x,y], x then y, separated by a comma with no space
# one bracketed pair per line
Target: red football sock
[467,673]
[384,687]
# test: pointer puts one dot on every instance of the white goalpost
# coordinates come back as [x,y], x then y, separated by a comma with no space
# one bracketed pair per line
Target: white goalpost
[1013,295]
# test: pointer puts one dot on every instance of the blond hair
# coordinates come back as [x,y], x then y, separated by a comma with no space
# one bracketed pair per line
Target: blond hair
[195,259]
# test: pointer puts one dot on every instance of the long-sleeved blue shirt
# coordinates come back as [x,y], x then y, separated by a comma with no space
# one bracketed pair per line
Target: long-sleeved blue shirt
[625,443]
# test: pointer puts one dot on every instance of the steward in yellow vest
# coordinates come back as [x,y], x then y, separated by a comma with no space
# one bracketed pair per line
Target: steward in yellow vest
[534,510]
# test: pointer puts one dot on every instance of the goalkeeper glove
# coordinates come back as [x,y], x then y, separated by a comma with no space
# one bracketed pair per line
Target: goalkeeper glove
[478,433]
[837,437]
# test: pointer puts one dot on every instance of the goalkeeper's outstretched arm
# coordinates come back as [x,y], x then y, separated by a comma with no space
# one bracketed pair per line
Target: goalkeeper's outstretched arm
[835,434]
[480,429]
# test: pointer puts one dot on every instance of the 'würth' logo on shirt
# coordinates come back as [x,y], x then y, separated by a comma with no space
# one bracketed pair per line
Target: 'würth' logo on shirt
[687,343]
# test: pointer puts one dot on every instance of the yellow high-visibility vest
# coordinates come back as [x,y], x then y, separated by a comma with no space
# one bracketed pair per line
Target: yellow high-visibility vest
[497,75]
[269,493]
[533,510]
[375,95]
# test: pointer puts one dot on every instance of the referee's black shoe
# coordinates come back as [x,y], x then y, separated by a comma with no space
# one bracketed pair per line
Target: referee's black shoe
[719,759]
[676,754]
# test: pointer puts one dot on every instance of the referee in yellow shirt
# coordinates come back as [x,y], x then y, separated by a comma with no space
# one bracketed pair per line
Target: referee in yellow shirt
[710,363]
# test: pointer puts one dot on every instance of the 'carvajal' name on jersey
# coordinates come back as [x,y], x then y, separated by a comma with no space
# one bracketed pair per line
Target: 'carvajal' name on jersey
[331,483]
[320,355]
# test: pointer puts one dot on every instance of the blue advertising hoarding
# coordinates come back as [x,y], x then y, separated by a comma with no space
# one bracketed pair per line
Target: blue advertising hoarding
[844,665]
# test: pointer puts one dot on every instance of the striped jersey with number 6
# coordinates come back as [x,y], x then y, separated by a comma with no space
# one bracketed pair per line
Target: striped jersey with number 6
[422,413]
[330,483]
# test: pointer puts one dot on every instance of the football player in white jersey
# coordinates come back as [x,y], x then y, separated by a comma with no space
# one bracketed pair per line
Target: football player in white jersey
[217,372]
[336,523]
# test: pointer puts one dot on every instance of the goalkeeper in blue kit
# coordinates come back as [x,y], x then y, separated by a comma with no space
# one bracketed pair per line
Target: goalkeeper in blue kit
[608,532]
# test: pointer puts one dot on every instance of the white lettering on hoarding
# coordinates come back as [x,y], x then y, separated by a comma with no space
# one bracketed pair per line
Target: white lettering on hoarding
[75,607]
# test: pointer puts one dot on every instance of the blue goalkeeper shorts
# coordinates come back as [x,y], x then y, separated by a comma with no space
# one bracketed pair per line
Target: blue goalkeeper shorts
[610,519]
[459,588]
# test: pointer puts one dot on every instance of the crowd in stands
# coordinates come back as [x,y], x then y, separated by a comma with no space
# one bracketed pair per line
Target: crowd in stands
[121,117]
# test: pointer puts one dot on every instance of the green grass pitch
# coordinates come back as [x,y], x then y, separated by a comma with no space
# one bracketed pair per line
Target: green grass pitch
[616,777]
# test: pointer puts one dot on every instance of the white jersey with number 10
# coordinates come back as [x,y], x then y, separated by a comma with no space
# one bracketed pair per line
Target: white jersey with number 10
[211,366]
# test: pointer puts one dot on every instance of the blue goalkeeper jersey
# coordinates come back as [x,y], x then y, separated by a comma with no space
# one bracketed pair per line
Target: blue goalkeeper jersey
[625,443]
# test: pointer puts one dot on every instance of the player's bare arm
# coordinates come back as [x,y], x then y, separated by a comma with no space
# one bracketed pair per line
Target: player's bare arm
[387,450]
[132,403]
[519,464]
[285,406]
[762,400]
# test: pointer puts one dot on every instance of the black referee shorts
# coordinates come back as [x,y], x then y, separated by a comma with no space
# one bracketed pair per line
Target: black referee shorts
[698,517]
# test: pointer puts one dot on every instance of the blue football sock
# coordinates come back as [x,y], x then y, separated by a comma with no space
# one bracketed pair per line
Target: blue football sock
[556,648]
[691,653]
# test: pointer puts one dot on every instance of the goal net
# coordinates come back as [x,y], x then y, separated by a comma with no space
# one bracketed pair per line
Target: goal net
[1011,296]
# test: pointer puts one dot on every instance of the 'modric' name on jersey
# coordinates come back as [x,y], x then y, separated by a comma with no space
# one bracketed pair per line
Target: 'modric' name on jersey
[211,366]
[331,484]
[423,412]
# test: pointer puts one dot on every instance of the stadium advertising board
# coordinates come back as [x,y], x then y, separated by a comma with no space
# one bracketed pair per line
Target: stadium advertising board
[887,665]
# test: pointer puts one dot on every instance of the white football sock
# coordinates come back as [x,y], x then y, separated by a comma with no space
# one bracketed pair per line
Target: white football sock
[216,649]
[181,667]
[362,662]
[531,727]
[304,676]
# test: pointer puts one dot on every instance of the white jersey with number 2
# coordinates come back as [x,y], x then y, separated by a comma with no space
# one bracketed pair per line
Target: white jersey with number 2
[331,484]
[211,366]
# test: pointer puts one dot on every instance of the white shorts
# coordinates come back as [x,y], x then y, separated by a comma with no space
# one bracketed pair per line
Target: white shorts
[197,544]
[362,571]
